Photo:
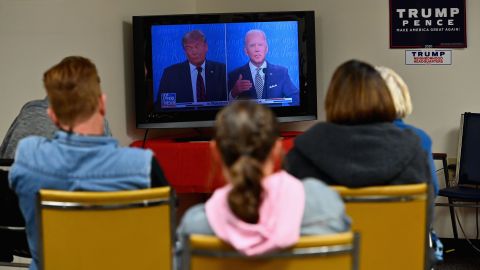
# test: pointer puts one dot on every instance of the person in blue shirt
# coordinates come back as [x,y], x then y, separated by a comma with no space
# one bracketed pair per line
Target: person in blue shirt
[403,106]
[79,156]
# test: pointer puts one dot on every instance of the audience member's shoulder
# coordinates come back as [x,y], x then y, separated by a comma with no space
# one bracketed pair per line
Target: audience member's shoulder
[30,144]
[418,131]
[195,221]
[323,205]
[35,104]
[136,156]
[311,183]
[313,132]
[32,141]
[422,134]
[195,213]
[137,151]
[414,137]
[321,192]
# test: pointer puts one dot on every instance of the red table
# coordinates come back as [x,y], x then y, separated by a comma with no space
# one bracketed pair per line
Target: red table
[190,166]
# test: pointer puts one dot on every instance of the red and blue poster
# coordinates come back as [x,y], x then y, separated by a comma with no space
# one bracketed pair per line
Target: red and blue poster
[428,24]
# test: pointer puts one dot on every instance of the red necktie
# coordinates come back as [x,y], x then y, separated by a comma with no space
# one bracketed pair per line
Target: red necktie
[201,94]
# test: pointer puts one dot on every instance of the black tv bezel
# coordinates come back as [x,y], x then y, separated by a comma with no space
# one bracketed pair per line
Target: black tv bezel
[205,118]
[467,160]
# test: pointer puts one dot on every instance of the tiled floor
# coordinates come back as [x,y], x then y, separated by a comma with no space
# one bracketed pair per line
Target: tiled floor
[459,255]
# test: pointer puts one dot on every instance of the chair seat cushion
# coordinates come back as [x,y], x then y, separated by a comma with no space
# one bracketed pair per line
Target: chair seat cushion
[461,193]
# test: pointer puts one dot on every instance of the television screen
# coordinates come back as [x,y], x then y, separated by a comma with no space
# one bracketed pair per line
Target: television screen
[187,67]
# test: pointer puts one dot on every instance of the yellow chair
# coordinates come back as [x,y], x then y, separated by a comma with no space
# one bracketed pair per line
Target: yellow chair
[393,222]
[106,230]
[336,251]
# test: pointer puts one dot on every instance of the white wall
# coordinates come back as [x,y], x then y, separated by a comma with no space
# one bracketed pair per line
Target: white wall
[35,34]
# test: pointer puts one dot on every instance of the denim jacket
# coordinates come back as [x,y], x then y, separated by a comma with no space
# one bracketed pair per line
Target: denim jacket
[73,162]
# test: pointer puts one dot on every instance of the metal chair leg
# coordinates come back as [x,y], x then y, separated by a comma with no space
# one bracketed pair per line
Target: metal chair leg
[447,183]
[452,217]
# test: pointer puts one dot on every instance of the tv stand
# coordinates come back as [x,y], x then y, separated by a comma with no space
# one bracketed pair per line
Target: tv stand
[199,138]
[191,167]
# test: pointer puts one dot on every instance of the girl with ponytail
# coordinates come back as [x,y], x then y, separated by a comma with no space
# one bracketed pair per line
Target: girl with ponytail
[260,210]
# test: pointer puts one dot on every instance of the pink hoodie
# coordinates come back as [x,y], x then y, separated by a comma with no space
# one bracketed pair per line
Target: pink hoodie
[280,219]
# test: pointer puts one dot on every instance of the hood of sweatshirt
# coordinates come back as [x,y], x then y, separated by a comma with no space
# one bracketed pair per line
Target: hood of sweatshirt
[355,154]
[280,216]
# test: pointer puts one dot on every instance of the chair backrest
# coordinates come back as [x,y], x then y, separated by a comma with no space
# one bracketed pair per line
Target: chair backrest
[106,230]
[393,222]
[336,251]
[468,171]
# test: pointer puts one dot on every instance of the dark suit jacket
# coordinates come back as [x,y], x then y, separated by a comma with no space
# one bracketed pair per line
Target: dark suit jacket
[176,79]
[277,83]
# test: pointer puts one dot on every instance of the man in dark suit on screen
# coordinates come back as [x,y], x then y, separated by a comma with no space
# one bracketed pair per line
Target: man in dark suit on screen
[194,80]
[259,78]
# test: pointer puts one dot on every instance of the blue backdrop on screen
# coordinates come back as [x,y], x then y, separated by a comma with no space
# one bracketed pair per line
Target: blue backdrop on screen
[282,38]
[167,46]
[226,45]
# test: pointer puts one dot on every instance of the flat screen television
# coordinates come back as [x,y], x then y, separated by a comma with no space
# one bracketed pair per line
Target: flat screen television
[187,67]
